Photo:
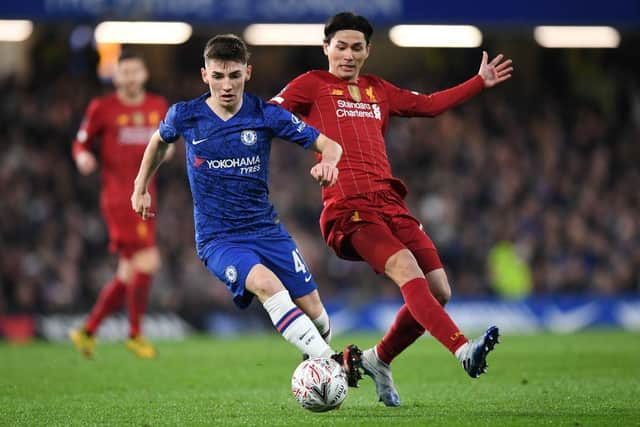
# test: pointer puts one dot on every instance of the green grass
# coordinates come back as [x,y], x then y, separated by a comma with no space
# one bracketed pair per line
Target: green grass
[574,380]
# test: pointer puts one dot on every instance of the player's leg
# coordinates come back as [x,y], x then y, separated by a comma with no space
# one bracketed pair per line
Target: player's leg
[144,264]
[288,319]
[405,329]
[403,269]
[239,265]
[283,257]
[312,306]
[111,298]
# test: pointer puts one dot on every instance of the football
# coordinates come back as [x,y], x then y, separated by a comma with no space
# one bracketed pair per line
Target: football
[319,384]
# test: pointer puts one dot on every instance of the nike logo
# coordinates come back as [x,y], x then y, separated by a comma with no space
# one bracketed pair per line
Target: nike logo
[571,320]
[307,279]
[303,335]
[198,141]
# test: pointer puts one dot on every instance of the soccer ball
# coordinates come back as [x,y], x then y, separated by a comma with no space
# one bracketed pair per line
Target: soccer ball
[319,384]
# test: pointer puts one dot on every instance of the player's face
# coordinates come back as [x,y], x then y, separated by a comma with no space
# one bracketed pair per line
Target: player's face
[131,75]
[226,81]
[347,50]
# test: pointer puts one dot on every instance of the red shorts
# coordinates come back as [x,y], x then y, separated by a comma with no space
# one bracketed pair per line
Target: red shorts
[128,233]
[372,227]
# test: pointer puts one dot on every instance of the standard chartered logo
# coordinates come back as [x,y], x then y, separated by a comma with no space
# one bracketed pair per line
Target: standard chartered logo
[246,164]
[358,109]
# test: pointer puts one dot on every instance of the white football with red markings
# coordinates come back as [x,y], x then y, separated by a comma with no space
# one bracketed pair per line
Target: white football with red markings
[319,384]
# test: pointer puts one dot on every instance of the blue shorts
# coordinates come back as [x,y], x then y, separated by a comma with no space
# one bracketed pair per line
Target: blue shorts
[231,259]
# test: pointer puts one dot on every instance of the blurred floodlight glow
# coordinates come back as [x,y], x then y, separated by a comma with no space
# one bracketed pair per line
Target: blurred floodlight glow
[436,36]
[130,32]
[284,34]
[15,30]
[577,37]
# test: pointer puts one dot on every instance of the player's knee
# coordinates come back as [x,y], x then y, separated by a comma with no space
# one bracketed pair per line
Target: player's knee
[263,283]
[439,286]
[402,267]
[147,260]
[443,295]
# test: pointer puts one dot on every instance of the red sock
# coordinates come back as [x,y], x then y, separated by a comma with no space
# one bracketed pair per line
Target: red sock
[402,333]
[137,296]
[427,311]
[110,299]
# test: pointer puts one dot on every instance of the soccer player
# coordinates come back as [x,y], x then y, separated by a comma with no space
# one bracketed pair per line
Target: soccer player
[239,236]
[364,215]
[118,126]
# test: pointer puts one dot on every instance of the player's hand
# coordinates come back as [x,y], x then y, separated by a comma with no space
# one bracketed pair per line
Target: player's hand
[86,162]
[325,173]
[496,71]
[141,204]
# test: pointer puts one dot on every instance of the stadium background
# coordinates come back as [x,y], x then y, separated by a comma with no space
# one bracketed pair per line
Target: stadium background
[530,191]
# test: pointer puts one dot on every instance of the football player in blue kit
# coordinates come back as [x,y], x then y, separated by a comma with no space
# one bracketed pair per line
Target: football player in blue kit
[239,237]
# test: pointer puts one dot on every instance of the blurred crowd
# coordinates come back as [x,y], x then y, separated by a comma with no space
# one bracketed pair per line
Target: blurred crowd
[548,162]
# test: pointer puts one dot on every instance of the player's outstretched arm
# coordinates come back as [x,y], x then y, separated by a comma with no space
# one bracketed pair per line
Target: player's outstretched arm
[496,71]
[326,171]
[154,154]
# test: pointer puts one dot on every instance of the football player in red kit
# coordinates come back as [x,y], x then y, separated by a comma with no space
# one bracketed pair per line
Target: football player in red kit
[117,127]
[365,216]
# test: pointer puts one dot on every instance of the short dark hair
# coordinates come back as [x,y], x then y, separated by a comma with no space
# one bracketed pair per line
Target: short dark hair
[226,47]
[347,21]
[127,53]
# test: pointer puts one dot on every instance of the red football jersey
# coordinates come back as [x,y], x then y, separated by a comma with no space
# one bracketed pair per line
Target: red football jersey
[122,132]
[356,115]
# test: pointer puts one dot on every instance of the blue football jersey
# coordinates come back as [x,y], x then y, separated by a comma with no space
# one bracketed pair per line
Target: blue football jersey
[228,164]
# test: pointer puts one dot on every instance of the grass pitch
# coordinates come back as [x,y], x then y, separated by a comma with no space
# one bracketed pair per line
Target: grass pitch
[586,379]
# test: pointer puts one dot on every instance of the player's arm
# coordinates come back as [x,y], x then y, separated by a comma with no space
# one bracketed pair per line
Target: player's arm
[172,148]
[326,170]
[410,103]
[91,126]
[154,155]
[171,151]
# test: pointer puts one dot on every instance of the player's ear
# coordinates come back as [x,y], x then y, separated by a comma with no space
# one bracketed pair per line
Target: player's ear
[248,73]
[203,74]
[325,48]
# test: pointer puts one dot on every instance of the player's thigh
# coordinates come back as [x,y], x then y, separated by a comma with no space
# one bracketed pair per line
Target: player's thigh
[411,234]
[284,258]
[231,264]
[146,260]
[263,283]
[311,304]
[125,270]
[409,231]
[375,244]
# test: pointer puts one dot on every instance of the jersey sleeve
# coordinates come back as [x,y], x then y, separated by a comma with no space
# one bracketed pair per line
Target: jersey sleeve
[90,128]
[297,96]
[407,103]
[288,126]
[170,127]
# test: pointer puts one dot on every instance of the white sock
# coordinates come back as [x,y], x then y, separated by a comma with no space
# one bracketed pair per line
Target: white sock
[460,352]
[295,326]
[324,326]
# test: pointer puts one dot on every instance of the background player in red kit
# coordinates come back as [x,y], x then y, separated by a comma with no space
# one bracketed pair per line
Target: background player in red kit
[118,127]
[364,215]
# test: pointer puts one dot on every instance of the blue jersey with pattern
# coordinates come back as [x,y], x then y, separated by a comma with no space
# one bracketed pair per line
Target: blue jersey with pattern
[228,164]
